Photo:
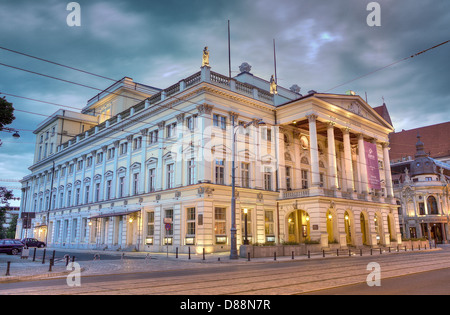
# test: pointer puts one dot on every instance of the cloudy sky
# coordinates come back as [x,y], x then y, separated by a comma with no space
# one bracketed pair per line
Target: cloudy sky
[320,46]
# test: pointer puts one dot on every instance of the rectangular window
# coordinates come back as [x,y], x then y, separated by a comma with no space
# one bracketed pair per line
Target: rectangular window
[77,196]
[220,216]
[288,178]
[86,196]
[69,198]
[170,176]
[111,152]
[168,214]
[99,158]
[135,183]
[153,137]
[305,184]
[191,172]
[191,122]
[97,192]
[152,179]
[108,189]
[190,222]
[220,121]
[267,178]
[150,223]
[269,224]
[171,130]
[137,143]
[61,200]
[121,186]
[245,174]
[74,230]
[220,171]
[123,148]
[421,208]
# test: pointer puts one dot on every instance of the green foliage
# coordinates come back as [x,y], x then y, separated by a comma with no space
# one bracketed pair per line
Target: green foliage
[6,113]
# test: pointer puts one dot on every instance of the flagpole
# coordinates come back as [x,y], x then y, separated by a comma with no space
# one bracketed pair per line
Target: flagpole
[229,51]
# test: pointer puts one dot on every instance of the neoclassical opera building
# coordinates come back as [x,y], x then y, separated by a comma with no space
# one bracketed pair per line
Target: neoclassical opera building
[148,169]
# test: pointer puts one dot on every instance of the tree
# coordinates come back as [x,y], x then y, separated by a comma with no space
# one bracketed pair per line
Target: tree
[6,112]
[5,195]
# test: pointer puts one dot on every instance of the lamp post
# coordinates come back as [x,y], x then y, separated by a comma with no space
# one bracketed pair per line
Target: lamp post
[233,249]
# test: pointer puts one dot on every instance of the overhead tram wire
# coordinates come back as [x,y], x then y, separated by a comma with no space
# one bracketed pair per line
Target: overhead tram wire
[389,65]
[56,63]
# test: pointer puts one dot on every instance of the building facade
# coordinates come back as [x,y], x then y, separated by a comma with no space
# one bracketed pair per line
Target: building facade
[154,170]
[421,185]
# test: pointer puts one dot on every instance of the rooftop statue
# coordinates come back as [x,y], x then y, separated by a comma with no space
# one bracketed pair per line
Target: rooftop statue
[273,85]
[205,59]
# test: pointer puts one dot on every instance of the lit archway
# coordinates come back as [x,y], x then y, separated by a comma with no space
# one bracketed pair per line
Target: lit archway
[298,224]
[364,228]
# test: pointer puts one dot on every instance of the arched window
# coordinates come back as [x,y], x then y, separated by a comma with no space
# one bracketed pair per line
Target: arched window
[432,205]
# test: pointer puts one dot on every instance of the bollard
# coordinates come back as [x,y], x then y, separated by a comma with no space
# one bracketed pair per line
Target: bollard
[7,268]
[381,252]
[34,254]
[323,252]
[389,249]
[218,259]
[360,252]
[337,252]
[248,255]
[189,250]
[53,255]
[292,254]
[419,246]
[203,253]
[412,247]
[349,252]
[50,265]
[274,255]
[405,248]
[425,247]
[371,252]
[176,253]
[43,257]
[309,254]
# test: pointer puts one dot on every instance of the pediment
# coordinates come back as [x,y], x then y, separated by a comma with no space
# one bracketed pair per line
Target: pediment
[355,105]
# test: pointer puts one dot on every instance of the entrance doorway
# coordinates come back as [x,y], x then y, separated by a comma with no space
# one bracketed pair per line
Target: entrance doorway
[298,226]
[364,228]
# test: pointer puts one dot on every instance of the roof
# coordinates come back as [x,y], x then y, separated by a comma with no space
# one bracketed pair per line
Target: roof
[436,139]
[384,113]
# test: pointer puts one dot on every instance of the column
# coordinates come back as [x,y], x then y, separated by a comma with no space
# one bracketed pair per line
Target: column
[142,186]
[114,178]
[92,191]
[348,160]
[160,171]
[362,164]
[387,170]
[179,162]
[314,150]
[281,162]
[332,156]
[205,160]
[127,191]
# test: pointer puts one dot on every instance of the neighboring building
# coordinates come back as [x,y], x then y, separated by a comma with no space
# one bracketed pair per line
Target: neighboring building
[435,136]
[422,187]
[158,171]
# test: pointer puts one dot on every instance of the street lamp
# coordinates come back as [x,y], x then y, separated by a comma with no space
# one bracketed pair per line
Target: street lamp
[233,249]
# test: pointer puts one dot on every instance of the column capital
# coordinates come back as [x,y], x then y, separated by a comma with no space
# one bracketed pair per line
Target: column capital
[312,117]
[385,144]
[345,130]
[331,124]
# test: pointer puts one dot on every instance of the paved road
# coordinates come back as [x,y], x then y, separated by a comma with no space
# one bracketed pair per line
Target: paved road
[436,282]
[252,278]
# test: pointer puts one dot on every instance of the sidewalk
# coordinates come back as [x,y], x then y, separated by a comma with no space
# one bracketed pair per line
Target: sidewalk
[135,262]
